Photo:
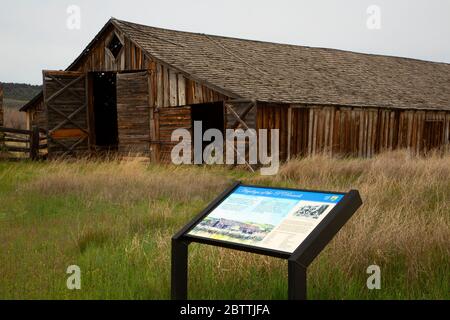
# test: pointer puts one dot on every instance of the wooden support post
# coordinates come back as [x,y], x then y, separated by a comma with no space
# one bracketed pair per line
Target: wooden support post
[34,143]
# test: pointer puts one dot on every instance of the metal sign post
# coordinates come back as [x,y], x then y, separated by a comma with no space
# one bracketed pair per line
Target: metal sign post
[298,260]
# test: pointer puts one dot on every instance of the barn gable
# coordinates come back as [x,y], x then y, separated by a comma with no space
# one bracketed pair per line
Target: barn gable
[172,86]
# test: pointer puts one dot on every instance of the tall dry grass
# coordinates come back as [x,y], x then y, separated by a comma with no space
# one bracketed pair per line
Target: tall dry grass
[127,211]
[406,199]
[124,181]
[406,212]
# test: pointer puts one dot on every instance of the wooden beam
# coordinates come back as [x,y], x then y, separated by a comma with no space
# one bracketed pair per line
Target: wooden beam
[243,115]
[12,130]
[236,116]
[19,140]
[15,149]
[60,91]
[70,149]
[68,118]
[67,133]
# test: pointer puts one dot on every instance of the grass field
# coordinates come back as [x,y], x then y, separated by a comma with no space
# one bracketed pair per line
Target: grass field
[115,219]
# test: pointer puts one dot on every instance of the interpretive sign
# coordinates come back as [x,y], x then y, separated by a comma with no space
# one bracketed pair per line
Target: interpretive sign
[277,219]
[286,223]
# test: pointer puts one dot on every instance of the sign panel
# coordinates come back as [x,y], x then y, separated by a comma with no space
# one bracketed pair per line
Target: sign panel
[269,218]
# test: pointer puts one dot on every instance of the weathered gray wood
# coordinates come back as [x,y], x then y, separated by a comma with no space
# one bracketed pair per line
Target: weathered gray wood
[133,112]
[160,86]
[173,90]
[170,119]
[7,139]
[65,101]
[181,90]
[15,148]
[13,130]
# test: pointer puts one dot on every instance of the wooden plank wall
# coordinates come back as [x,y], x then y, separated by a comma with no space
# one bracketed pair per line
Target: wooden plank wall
[168,120]
[298,138]
[169,87]
[274,116]
[133,114]
[361,132]
[37,115]
[71,103]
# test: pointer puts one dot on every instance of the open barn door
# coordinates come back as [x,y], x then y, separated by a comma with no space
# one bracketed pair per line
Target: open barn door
[168,120]
[65,100]
[133,112]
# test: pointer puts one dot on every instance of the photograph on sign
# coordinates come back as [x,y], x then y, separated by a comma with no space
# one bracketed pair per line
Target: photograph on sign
[277,219]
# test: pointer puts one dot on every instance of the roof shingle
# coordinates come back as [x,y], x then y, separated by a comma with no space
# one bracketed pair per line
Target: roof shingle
[297,74]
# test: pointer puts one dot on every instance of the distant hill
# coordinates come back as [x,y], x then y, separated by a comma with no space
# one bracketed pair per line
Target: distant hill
[20,91]
[16,95]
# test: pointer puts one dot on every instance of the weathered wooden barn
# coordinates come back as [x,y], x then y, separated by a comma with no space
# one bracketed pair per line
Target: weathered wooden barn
[134,84]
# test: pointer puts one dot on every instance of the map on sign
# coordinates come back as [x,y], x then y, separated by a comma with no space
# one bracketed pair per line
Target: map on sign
[277,219]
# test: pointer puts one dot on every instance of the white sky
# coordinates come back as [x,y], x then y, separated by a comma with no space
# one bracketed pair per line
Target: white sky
[34,35]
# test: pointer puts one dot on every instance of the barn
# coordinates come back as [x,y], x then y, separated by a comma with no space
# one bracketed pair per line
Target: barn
[134,84]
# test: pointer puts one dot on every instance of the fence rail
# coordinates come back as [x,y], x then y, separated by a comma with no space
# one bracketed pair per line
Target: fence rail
[17,144]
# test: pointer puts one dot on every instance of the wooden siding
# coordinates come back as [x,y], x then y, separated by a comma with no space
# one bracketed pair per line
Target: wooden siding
[274,116]
[299,126]
[133,112]
[65,99]
[346,131]
[37,116]
[169,87]
[364,132]
[168,120]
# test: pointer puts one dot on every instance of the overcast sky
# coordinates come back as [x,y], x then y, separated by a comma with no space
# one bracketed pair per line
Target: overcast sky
[34,34]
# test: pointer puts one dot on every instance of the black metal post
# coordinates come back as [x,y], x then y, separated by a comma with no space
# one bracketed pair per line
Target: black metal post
[179,269]
[296,281]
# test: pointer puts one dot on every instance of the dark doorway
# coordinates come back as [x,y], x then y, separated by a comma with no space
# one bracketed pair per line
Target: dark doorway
[211,115]
[104,103]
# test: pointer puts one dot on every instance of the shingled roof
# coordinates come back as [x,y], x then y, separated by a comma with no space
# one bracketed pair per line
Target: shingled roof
[297,74]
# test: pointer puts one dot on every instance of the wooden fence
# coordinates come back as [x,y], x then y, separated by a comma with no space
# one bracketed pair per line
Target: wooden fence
[18,144]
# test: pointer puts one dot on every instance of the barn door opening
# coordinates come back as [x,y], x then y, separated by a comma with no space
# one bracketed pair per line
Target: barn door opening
[211,116]
[104,104]
[133,112]
[65,101]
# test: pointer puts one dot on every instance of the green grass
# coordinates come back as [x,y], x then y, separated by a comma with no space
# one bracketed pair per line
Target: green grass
[115,220]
